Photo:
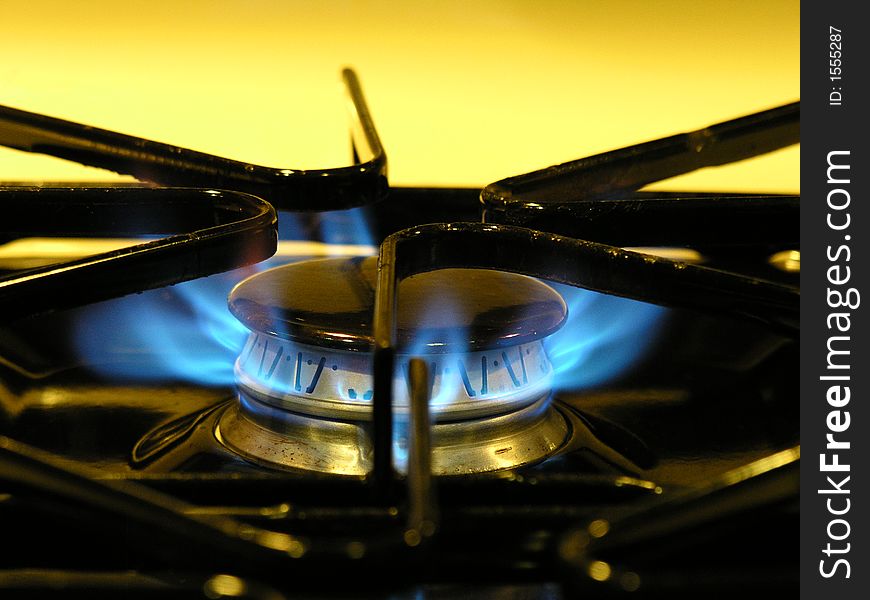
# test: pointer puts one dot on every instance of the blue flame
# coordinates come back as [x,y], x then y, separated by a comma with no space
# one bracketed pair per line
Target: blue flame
[183,332]
[604,337]
[421,346]
[346,227]
[186,332]
[336,227]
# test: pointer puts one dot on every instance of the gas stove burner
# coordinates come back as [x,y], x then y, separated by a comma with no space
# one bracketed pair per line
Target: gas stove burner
[305,382]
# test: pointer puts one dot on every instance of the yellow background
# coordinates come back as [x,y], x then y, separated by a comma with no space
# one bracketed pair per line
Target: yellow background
[463,93]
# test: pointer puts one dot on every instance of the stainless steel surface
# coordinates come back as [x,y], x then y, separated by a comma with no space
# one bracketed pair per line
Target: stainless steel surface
[281,439]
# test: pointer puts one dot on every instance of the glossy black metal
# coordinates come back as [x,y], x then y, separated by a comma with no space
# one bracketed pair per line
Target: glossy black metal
[201,539]
[613,173]
[290,189]
[423,505]
[406,207]
[153,519]
[42,583]
[255,543]
[705,222]
[154,523]
[210,231]
[653,550]
[589,265]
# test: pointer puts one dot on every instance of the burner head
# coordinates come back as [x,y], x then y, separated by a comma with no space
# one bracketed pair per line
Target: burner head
[328,303]
[305,374]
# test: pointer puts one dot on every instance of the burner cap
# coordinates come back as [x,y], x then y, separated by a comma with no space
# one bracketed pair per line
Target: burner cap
[329,303]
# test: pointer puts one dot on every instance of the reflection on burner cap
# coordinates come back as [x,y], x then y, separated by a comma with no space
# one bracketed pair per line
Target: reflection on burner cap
[329,303]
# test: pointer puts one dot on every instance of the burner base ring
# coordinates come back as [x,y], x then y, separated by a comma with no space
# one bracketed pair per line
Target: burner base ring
[282,439]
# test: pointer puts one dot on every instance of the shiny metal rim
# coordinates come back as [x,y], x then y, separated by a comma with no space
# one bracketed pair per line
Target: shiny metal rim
[285,440]
[338,384]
